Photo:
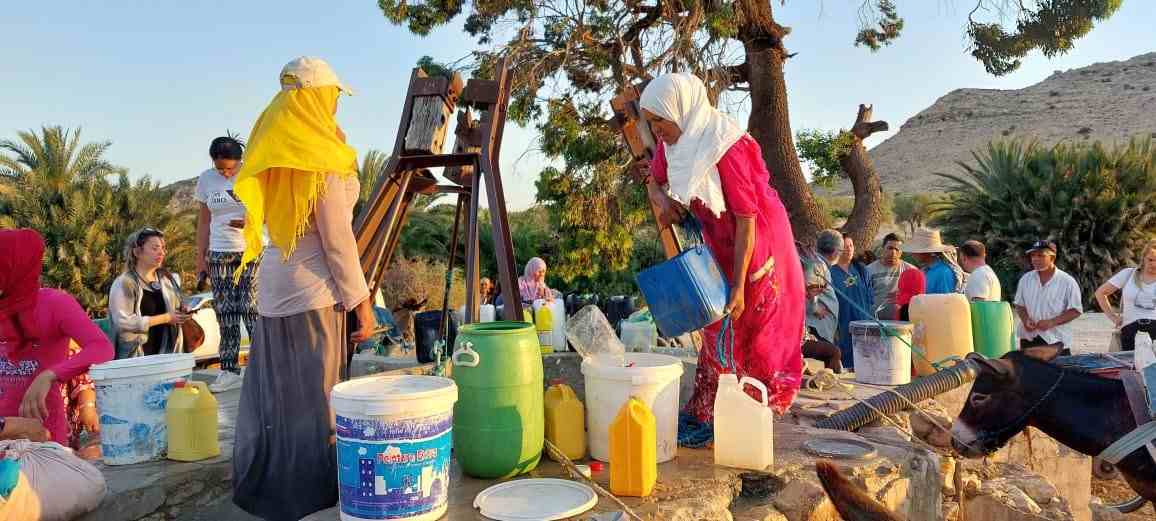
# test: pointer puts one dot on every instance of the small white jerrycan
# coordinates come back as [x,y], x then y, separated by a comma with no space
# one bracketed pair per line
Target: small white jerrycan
[743,426]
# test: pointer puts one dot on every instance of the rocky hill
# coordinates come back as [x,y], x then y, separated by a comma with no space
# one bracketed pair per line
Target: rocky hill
[182,198]
[1108,102]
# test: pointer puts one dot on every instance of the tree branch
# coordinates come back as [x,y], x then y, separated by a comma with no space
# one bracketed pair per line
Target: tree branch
[863,127]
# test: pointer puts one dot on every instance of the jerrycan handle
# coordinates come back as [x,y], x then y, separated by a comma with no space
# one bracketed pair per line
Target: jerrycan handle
[200,386]
[753,382]
[466,349]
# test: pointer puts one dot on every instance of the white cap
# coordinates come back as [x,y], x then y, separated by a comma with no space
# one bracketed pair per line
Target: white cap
[308,71]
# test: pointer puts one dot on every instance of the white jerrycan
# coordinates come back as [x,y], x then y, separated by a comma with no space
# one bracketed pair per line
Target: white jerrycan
[743,426]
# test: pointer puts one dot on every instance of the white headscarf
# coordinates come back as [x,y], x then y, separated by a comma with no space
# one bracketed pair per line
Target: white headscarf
[707,134]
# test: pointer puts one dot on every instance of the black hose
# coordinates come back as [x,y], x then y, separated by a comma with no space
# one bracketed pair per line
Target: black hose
[860,414]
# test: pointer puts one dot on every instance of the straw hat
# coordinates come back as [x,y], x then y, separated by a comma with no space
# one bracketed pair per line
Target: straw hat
[926,240]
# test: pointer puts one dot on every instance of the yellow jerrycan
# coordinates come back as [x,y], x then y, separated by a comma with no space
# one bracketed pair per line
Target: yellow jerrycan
[633,451]
[565,420]
[191,415]
[544,323]
[942,329]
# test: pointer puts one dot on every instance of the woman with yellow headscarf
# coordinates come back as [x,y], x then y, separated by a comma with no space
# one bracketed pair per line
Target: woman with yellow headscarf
[299,182]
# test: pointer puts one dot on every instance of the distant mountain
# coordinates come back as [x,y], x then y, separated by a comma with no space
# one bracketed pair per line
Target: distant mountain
[183,195]
[1108,102]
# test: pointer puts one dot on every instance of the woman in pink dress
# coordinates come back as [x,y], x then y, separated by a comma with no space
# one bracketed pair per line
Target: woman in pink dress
[36,327]
[707,161]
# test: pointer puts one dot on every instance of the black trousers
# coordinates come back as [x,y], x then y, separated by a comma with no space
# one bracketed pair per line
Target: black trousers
[823,351]
[1128,333]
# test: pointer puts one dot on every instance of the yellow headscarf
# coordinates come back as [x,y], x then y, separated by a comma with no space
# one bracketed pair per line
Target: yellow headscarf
[293,147]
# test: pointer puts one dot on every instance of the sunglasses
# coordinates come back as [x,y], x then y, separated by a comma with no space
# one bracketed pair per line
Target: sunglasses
[147,233]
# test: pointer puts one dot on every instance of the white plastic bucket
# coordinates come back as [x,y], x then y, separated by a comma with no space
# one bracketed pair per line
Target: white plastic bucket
[881,359]
[394,444]
[653,379]
[558,312]
[131,395]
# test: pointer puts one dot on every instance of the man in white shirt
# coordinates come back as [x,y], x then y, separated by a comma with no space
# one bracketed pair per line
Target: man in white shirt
[1047,300]
[982,284]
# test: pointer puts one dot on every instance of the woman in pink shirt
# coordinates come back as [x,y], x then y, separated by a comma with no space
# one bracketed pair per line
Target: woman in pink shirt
[36,325]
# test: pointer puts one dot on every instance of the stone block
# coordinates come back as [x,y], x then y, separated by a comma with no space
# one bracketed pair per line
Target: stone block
[802,500]
[1069,471]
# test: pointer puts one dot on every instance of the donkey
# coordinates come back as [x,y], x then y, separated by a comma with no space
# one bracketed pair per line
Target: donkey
[1081,410]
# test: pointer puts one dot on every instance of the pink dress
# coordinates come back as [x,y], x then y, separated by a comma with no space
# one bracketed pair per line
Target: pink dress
[768,336]
[61,319]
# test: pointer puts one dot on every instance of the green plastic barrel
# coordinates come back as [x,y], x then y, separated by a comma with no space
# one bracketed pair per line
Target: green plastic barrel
[498,418]
[992,328]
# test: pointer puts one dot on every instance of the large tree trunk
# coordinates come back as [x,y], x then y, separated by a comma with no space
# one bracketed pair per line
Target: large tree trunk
[770,125]
[868,210]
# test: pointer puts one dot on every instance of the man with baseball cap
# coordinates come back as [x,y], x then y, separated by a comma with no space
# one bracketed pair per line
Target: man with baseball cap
[1047,300]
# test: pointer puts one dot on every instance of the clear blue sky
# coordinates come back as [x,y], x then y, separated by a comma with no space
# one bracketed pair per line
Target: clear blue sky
[160,79]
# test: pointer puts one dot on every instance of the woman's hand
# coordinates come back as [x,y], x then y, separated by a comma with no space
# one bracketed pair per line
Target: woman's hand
[34,405]
[202,263]
[366,322]
[24,429]
[737,304]
[640,170]
[670,212]
[1116,319]
[89,419]
[177,318]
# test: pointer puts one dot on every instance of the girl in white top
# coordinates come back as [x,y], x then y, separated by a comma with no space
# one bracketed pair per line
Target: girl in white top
[220,245]
[1138,303]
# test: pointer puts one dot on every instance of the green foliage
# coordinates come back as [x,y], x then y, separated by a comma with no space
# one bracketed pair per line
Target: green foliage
[435,69]
[1096,203]
[1051,26]
[915,210]
[887,27]
[61,188]
[822,152]
[569,58]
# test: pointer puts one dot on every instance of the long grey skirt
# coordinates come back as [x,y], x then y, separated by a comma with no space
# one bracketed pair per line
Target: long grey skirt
[284,458]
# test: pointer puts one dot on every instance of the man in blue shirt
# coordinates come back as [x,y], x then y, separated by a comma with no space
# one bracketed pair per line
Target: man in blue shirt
[852,283]
[928,248]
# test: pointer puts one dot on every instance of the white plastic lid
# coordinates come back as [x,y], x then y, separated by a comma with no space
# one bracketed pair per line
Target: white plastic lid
[397,387]
[143,365]
[638,365]
[895,325]
[540,499]
[397,394]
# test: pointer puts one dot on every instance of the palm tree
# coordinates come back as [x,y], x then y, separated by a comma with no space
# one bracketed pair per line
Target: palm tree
[51,182]
[55,156]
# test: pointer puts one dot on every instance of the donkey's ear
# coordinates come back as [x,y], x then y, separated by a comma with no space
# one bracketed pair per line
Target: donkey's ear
[999,368]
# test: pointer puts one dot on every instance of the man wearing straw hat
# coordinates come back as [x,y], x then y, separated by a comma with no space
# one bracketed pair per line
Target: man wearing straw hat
[929,250]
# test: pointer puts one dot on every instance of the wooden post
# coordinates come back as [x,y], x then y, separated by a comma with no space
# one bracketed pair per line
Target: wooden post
[640,141]
[464,139]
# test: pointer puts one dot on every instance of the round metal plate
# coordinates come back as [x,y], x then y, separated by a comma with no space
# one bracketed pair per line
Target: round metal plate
[839,448]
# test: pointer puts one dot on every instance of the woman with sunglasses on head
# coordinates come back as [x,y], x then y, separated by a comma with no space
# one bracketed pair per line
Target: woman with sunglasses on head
[220,245]
[144,302]
[1138,304]
[36,327]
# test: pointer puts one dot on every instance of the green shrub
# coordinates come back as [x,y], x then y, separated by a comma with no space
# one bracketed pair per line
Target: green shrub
[1095,202]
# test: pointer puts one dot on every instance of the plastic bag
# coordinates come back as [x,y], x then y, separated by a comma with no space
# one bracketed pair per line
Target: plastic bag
[591,335]
[54,484]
